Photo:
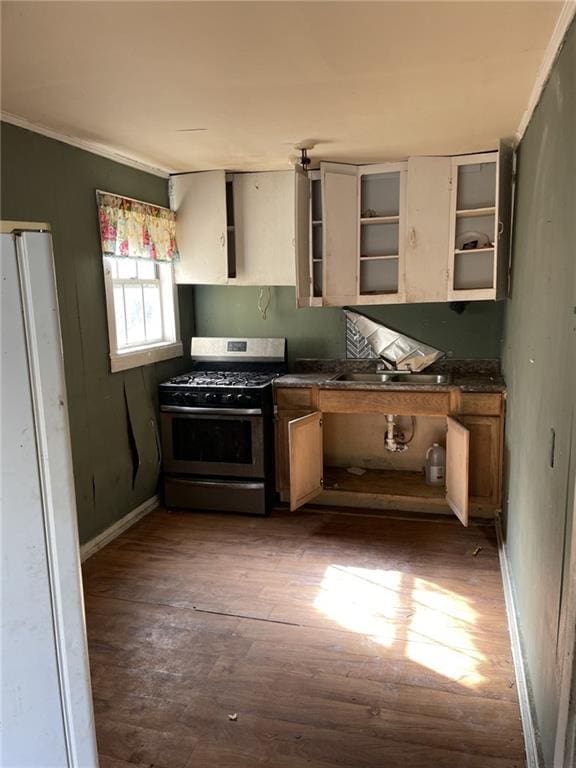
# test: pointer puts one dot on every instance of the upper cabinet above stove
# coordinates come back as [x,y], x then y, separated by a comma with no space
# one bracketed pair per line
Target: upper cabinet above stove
[433,229]
[235,229]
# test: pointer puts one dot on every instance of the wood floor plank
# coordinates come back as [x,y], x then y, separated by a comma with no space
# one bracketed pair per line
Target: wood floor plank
[339,641]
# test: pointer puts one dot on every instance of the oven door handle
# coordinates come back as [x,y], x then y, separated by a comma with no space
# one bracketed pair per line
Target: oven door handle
[192,410]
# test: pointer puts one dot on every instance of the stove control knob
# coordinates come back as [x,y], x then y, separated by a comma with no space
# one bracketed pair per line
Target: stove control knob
[189,397]
[211,397]
[230,398]
[243,399]
[178,398]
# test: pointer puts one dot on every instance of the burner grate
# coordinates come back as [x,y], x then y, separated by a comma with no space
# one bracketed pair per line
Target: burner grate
[223,379]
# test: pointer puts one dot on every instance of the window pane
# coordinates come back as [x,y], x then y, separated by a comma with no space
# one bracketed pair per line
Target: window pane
[135,333]
[119,315]
[113,265]
[153,312]
[127,268]
[146,269]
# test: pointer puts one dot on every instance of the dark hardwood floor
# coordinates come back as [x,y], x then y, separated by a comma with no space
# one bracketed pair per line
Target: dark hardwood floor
[304,639]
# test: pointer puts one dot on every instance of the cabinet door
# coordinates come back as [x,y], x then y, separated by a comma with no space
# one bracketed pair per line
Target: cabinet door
[302,190]
[485,458]
[264,224]
[504,174]
[305,458]
[457,464]
[427,229]
[340,233]
[199,200]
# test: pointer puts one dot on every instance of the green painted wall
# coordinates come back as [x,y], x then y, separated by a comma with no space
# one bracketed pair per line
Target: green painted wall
[319,331]
[46,180]
[539,364]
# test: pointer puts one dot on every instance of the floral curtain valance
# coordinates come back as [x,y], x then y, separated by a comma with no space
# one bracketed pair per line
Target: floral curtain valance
[136,230]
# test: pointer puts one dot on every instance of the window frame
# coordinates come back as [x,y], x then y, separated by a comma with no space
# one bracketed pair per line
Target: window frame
[134,356]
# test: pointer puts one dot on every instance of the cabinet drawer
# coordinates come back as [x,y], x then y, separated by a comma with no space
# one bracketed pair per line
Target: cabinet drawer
[481,404]
[398,403]
[293,397]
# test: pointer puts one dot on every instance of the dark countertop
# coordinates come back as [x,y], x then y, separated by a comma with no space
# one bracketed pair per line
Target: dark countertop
[468,376]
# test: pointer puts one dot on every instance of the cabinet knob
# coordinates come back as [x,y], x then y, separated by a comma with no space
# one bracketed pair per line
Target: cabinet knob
[222,240]
[412,237]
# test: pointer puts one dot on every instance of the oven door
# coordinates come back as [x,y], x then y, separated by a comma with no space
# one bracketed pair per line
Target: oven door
[213,443]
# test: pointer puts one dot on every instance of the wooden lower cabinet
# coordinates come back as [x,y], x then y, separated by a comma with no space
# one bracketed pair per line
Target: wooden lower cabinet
[473,456]
[485,458]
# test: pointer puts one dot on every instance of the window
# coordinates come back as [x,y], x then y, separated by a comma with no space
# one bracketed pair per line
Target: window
[139,247]
[141,312]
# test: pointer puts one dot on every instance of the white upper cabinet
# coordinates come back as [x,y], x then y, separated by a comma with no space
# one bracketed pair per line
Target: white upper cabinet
[480,222]
[199,200]
[236,229]
[434,229]
[264,218]
[354,216]
[427,229]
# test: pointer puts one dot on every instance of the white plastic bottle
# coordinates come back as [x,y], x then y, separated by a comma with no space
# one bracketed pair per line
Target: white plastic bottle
[435,465]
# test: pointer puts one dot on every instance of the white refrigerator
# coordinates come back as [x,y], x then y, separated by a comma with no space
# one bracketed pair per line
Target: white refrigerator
[46,707]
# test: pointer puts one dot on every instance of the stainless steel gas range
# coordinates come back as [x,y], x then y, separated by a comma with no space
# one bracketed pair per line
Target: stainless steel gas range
[217,426]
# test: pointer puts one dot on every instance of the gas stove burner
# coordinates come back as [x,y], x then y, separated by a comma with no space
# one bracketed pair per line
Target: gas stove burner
[222,379]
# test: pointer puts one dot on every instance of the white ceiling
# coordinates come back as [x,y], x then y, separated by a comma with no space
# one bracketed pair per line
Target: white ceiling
[367,81]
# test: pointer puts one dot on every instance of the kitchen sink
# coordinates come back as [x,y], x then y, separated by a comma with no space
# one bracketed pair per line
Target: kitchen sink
[396,377]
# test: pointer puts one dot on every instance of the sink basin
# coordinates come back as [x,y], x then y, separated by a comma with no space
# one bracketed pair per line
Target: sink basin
[395,377]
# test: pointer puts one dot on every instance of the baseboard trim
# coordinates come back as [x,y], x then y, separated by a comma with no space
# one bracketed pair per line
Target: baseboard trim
[95,544]
[531,738]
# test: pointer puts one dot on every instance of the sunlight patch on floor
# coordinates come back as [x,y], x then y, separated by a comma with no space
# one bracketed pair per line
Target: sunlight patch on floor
[394,609]
[439,633]
[362,600]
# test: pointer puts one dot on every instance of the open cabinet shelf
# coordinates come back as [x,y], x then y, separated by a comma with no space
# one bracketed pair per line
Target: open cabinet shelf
[476,211]
[389,482]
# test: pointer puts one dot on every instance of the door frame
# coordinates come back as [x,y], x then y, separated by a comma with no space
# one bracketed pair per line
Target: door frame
[42,332]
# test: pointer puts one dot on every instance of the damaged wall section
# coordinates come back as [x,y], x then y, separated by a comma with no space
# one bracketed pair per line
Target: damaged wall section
[113,417]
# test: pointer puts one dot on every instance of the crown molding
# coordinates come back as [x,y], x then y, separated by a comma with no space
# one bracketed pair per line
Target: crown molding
[87,146]
[550,55]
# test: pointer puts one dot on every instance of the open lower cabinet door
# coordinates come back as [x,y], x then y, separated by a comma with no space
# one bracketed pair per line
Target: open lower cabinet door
[457,462]
[305,456]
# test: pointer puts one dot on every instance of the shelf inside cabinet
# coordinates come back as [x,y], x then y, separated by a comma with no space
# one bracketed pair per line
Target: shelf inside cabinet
[316,243]
[379,239]
[379,195]
[476,211]
[474,269]
[488,249]
[389,482]
[316,201]
[379,219]
[379,256]
[476,185]
[378,276]
[484,224]
[317,278]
